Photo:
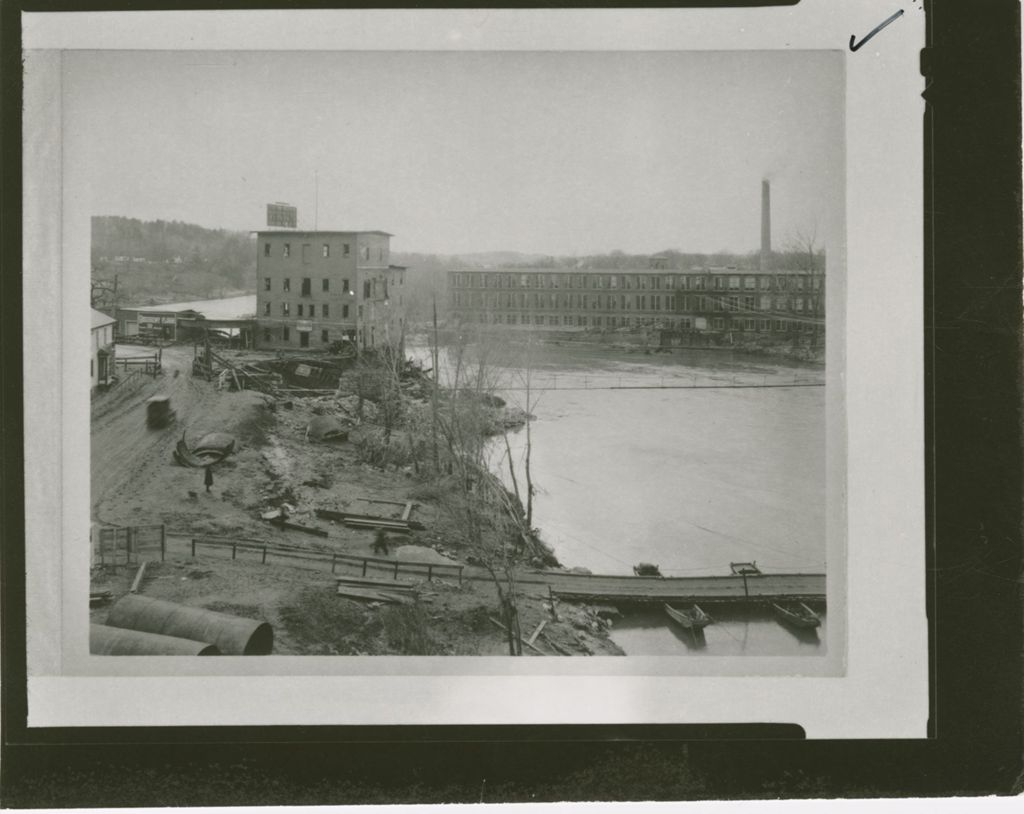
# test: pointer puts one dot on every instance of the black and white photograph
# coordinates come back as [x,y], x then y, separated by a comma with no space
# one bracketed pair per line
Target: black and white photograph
[464,350]
[460,354]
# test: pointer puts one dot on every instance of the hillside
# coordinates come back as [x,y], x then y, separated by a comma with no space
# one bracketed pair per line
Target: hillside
[166,261]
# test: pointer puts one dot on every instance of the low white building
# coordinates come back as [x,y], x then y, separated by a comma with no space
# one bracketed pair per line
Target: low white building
[101,350]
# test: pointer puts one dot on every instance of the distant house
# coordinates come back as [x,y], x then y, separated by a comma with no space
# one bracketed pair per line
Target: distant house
[101,351]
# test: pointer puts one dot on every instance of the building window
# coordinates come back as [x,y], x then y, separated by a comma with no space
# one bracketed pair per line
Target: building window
[749,283]
[287,284]
[285,334]
[266,250]
[266,309]
[360,314]
[766,283]
[366,253]
[344,312]
[325,250]
[719,323]
[366,289]
[266,284]
[307,285]
[285,309]
[287,249]
[324,336]
[344,285]
[734,283]
[312,310]
[326,284]
[299,312]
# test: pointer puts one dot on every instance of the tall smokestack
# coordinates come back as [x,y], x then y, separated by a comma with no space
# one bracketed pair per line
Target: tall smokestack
[766,222]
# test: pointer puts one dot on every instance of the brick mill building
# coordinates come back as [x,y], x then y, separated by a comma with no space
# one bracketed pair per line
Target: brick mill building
[316,288]
[705,304]
[706,300]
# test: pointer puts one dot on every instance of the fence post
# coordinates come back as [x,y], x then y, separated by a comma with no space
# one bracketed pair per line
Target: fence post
[460,576]
[234,546]
[193,548]
[364,567]
[334,562]
[430,573]
[163,542]
[264,555]
[396,569]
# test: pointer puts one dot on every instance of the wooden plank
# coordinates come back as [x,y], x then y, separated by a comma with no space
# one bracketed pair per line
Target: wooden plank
[375,500]
[373,596]
[138,578]
[528,644]
[389,584]
[536,633]
[407,511]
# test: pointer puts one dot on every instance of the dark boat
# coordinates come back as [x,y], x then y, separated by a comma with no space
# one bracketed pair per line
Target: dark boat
[797,615]
[694,619]
[646,569]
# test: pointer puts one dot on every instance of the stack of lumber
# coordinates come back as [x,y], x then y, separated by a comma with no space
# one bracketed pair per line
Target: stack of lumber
[370,521]
[376,590]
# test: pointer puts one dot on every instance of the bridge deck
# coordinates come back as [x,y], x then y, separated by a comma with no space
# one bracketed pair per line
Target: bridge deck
[683,589]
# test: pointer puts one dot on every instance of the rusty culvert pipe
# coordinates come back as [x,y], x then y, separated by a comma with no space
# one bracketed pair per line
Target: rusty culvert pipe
[118,641]
[233,635]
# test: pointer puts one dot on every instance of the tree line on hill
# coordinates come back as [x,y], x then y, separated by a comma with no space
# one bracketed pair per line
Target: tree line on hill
[149,262]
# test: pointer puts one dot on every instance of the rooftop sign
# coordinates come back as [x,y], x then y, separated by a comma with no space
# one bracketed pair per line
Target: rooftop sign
[282,215]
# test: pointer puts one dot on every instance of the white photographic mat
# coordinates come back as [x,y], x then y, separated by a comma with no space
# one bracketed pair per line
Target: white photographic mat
[838,129]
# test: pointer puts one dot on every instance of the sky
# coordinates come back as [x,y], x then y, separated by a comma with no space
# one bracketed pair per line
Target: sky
[557,153]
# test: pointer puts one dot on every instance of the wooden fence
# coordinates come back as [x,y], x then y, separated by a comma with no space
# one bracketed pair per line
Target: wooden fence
[323,558]
[146,364]
[130,545]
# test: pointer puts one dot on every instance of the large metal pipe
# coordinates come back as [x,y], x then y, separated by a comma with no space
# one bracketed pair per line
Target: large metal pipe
[233,635]
[117,641]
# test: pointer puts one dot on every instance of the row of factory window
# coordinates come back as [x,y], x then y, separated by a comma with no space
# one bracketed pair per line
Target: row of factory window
[325,251]
[681,323]
[633,302]
[370,287]
[783,281]
[306,310]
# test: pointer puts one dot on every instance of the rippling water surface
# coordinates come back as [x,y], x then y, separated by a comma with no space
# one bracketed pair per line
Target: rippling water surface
[690,460]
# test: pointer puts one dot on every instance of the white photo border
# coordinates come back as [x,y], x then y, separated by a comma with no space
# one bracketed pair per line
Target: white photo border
[874,375]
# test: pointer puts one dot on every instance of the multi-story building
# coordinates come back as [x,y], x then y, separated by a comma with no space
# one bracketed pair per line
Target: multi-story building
[706,300]
[315,288]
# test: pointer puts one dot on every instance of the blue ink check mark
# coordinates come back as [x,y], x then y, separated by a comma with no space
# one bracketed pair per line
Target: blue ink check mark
[854,45]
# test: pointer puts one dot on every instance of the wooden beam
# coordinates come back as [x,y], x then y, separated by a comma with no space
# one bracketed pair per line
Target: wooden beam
[528,644]
[536,633]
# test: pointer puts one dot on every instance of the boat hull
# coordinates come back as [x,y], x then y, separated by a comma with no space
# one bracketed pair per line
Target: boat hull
[690,620]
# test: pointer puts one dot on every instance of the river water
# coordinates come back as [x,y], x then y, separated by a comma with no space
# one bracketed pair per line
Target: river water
[689,460]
